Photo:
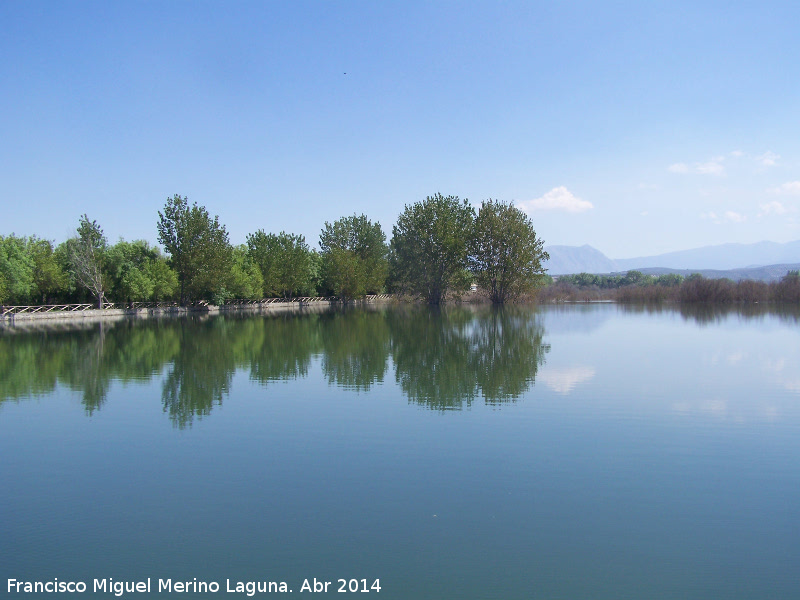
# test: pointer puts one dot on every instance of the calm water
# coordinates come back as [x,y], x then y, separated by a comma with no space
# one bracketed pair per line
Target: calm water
[565,452]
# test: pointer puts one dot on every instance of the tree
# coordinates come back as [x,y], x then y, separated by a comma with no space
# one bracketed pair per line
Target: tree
[788,288]
[343,274]
[245,276]
[86,258]
[16,270]
[198,247]
[138,272]
[354,257]
[285,262]
[48,277]
[429,246]
[505,254]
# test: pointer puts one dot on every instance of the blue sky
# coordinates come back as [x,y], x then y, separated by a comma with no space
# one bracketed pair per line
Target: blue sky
[638,128]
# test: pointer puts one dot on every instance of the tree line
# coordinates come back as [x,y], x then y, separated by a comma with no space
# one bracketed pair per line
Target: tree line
[439,246]
[635,286]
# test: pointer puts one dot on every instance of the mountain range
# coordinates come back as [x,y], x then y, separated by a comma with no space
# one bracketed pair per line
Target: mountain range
[737,261]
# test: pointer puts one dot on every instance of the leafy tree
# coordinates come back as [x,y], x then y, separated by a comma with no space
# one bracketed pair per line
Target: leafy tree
[198,247]
[788,289]
[343,274]
[245,280]
[16,270]
[285,262]
[296,264]
[358,246]
[164,279]
[505,254]
[138,272]
[264,250]
[315,282]
[429,246]
[87,255]
[669,280]
[49,277]
[636,278]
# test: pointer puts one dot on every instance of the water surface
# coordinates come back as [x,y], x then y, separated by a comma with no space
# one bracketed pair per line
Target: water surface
[561,452]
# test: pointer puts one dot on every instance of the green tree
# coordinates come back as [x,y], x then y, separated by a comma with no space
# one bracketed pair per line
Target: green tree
[264,250]
[245,276]
[343,274]
[48,276]
[788,289]
[505,254]
[296,265]
[138,272]
[164,279]
[669,280]
[429,247]
[16,270]
[198,247]
[285,262]
[357,246]
[87,255]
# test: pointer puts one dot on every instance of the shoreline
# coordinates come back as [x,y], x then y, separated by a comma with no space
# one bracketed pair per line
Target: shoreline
[119,314]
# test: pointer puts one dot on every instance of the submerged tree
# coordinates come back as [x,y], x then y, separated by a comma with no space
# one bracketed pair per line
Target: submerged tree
[505,254]
[429,247]
[198,246]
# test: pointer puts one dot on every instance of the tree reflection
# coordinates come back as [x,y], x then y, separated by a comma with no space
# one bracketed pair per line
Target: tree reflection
[280,347]
[507,350]
[84,359]
[355,347]
[442,358]
[201,372]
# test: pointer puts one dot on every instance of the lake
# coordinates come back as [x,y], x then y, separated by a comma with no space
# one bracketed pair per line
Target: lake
[583,451]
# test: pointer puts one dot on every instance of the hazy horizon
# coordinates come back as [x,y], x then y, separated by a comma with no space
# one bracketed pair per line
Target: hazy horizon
[638,129]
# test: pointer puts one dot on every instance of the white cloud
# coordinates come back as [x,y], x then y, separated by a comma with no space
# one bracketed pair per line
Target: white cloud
[711,167]
[768,159]
[737,154]
[559,198]
[734,217]
[790,188]
[728,216]
[773,208]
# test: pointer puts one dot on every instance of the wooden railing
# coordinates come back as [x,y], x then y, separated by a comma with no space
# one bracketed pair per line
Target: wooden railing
[10,311]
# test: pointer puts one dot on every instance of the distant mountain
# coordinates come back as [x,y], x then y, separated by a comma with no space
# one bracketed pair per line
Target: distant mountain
[725,256]
[573,259]
[585,259]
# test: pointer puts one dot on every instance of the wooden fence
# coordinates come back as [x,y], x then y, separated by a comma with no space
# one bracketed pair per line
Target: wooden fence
[10,311]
